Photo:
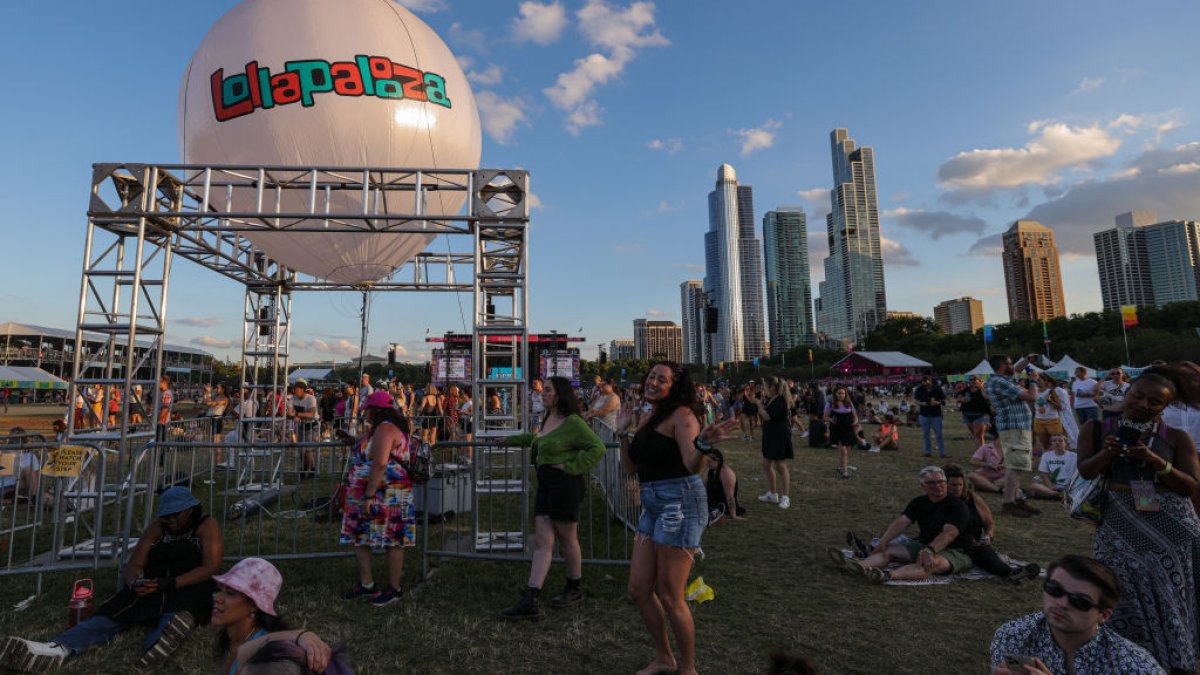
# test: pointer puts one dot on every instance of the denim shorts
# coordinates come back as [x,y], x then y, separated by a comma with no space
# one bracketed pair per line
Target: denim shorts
[975,418]
[674,511]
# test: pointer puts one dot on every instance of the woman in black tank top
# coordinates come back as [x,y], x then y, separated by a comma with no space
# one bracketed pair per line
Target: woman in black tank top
[665,455]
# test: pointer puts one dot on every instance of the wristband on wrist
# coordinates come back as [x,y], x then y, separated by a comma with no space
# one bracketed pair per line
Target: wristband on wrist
[930,549]
[1165,472]
[703,447]
[297,639]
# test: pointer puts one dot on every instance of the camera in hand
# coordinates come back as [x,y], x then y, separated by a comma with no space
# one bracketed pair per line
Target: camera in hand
[1128,435]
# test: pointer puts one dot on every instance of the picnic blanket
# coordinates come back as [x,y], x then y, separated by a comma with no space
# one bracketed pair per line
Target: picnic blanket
[973,574]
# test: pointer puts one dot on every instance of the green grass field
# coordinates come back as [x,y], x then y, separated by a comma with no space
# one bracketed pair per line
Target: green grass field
[774,589]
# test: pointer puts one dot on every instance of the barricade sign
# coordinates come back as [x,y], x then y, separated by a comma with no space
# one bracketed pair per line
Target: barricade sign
[8,463]
[65,462]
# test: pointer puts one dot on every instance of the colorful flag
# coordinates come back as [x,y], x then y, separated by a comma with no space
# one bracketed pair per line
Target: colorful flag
[987,332]
[1129,315]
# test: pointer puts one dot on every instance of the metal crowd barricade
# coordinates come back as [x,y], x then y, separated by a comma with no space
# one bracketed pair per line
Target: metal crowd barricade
[621,491]
[479,506]
[58,510]
[271,500]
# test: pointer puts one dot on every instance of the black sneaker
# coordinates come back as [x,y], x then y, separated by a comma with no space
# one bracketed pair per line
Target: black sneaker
[1026,572]
[359,591]
[569,596]
[174,634]
[526,609]
[386,597]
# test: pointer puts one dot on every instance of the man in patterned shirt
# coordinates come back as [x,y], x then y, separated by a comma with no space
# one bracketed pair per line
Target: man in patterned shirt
[1069,635]
[1014,424]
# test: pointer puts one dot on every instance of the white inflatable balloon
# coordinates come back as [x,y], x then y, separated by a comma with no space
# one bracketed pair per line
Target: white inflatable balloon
[331,83]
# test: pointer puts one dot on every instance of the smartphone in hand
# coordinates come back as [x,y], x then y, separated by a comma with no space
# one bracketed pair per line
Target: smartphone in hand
[1017,661]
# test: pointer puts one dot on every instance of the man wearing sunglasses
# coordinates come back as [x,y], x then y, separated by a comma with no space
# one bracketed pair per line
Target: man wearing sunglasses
[1069,635]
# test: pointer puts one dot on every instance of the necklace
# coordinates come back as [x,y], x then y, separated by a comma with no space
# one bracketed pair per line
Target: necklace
[1143,427]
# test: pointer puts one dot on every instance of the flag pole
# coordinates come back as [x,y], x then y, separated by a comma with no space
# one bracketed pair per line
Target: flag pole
[1125,334]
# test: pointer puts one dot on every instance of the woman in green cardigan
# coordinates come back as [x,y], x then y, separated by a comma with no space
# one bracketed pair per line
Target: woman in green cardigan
[564,451]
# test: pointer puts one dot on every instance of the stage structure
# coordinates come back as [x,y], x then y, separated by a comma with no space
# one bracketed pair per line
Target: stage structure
[142,216]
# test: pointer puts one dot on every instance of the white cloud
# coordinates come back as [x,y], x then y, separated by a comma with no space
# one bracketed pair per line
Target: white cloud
[667,145]
[666,207]
[1088,84]
[474,39]
[1056,147]
[818,199]
[617,34]
[1160,180]
[339,347]
[490,76]
[935,224]
[758,138]
[212,342]
[1186,167]
[990,246]
[896,255]
[424,6]
[199,321]
[900,197]
[535,203]
[540,23]
[655,312]
[500,116]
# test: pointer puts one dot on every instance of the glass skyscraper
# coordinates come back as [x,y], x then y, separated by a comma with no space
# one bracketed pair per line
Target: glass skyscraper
[733,270]
[853,300]
[789,289]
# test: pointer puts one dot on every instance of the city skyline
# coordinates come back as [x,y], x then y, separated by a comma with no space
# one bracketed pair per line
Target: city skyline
[733,271]
[1073,128]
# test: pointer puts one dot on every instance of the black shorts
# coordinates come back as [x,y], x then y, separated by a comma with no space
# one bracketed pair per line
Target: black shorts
[559,494]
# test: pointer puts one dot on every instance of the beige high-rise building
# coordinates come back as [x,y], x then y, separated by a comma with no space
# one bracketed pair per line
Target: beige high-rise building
[621,350]
[964,315]
[658,340]
[1032,275]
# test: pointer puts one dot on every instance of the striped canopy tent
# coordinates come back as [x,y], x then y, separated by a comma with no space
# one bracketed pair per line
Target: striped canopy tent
[20,377]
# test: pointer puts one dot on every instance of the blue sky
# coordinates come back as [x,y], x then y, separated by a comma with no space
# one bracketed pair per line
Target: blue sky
[979,113]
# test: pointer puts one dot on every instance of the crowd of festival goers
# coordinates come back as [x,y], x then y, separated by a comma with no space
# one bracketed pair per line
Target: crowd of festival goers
[1129,608]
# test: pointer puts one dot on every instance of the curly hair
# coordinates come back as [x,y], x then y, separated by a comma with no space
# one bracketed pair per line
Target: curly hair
[681,395]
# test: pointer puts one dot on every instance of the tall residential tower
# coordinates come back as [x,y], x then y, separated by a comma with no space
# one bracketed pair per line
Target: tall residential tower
[733,270]
[789,288]
[853,300]
[1031,273]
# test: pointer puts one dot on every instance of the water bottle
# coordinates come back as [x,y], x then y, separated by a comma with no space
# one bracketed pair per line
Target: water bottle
[81,605]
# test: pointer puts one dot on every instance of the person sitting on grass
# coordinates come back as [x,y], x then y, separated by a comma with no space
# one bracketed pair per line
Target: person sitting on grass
[990,475]
[167,584]
[1069,635]
[722,487]
[243,609]
[1055,471]
[942,545]
[982,528]
[888,436]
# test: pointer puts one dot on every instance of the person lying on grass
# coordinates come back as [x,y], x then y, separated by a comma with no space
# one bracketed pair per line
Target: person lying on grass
[942,543]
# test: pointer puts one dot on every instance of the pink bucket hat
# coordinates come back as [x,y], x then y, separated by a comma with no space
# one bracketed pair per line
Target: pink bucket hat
[378,399]
[255,578]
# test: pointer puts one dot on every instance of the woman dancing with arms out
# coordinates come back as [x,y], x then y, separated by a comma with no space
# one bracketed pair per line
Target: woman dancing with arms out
[1150,535]
[665,453]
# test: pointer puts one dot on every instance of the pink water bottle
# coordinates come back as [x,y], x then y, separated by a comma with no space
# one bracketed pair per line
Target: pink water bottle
[81,605]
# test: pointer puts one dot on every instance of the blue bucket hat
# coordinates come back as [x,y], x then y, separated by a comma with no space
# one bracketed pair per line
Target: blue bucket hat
[174,500]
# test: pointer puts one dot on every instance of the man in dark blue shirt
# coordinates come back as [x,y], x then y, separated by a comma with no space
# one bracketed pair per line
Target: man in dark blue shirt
[931,397]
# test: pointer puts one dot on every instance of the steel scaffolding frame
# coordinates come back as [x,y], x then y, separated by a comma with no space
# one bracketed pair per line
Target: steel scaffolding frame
[141,216]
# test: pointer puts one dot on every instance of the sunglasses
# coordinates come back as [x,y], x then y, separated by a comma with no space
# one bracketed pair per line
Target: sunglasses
[1079,601]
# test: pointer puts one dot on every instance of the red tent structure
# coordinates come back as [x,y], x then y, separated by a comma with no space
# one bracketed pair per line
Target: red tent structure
[875,368]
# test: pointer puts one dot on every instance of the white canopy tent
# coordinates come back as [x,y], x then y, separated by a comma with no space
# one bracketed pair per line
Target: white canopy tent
[1065,369]
[984,369]
[311,375]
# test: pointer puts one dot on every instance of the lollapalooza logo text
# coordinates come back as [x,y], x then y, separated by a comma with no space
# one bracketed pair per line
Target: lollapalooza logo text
[242,94]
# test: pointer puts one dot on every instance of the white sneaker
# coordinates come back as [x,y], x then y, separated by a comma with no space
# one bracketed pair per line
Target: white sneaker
[785,502]
[769,498]
[804,435]
[874,448]
[27,656]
